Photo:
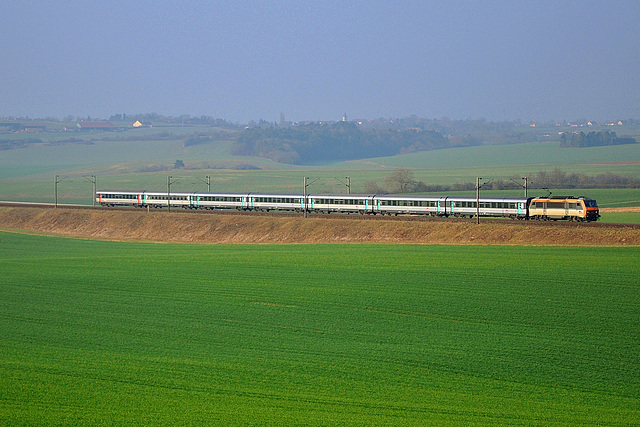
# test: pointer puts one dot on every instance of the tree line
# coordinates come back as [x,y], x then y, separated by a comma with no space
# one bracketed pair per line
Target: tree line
[592,139]
[402,181]
[320,142]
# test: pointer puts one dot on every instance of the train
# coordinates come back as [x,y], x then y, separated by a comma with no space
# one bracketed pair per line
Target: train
[568,208]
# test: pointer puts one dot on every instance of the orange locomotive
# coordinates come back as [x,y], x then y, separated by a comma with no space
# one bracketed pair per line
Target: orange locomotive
[564,207]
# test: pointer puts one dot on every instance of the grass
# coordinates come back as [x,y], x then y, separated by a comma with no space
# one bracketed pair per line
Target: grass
[621,217]
[130,333]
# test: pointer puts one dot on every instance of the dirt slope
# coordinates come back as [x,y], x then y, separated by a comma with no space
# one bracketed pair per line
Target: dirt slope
[212,228]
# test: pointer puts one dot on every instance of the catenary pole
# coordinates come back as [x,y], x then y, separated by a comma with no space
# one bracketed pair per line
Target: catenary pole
[55,191]
[304,197]
[478,200]
[169,193]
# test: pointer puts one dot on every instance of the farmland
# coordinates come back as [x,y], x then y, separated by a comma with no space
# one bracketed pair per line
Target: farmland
[135,333]
[143,158]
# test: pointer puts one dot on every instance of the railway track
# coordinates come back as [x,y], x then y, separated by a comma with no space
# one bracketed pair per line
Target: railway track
[336,216]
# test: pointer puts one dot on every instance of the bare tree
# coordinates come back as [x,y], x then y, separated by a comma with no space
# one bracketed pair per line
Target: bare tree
[400,181]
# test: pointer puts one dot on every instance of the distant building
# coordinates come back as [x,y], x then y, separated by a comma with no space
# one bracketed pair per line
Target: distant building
[139,124]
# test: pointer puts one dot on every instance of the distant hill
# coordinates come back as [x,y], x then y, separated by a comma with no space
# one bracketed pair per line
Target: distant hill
[321,143]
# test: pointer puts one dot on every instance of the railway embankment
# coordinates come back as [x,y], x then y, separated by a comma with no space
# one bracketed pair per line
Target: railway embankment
[161,226]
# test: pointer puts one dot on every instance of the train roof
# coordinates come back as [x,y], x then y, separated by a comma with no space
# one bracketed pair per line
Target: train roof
[275,195]
[342,196]
[209,193]
[405,197]
[490,199]
[564,197]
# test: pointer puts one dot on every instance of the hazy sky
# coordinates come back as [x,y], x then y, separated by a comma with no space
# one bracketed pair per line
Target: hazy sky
[242,60]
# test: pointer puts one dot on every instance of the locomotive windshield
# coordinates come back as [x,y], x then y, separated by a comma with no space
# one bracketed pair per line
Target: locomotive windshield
[590,203]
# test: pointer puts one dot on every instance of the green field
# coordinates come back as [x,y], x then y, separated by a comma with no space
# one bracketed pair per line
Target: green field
[143,158]
[106,333]
[621,218]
